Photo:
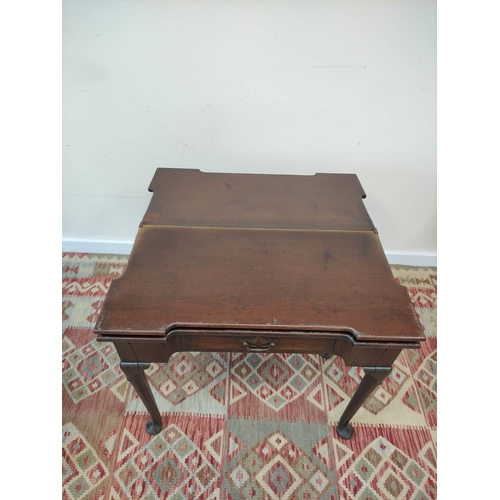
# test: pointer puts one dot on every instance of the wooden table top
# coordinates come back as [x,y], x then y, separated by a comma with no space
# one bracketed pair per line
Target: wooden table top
[194,198]
[233,251]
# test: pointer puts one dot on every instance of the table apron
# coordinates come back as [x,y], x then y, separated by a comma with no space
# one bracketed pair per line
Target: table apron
[159,350]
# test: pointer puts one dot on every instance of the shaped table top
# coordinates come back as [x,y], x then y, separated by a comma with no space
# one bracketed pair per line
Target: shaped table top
[194,198]
[258,279]
[258,252]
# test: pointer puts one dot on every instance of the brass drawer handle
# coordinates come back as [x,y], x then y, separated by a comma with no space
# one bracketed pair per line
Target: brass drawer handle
[258,344]
[252,345]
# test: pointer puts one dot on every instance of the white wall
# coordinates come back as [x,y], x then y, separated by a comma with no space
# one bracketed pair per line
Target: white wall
[249,86]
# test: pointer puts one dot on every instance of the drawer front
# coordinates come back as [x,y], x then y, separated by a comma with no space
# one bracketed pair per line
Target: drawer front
[257,342]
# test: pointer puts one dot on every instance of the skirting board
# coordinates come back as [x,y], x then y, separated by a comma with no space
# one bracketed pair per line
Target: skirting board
[412,259]
[97,246]
[125,247]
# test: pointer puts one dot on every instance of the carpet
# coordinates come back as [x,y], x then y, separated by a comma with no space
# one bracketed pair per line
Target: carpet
[236,426]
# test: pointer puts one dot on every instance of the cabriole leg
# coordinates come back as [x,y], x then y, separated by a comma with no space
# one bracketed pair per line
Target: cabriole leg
[134,372]
[373,378]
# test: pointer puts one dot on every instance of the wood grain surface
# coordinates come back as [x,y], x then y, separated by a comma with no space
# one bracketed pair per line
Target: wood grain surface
[192,198]
[227,278]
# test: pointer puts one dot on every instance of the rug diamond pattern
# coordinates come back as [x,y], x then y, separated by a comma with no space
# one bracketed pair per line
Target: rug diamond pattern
[83,470]
[168,463]
[89,369]
[390,464]
[275,379]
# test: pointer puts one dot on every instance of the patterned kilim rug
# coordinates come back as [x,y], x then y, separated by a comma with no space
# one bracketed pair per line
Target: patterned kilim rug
[241,426]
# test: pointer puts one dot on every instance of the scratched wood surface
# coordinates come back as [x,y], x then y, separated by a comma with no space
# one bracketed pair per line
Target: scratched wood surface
[192,198]
[259,278]
[258,252]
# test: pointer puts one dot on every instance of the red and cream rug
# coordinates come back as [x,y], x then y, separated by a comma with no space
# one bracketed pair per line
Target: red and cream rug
[256,427]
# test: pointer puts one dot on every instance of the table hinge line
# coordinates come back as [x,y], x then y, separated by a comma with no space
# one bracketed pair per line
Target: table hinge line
[130,344]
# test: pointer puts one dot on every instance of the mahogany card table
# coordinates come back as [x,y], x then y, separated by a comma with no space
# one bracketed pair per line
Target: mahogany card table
[258,263]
